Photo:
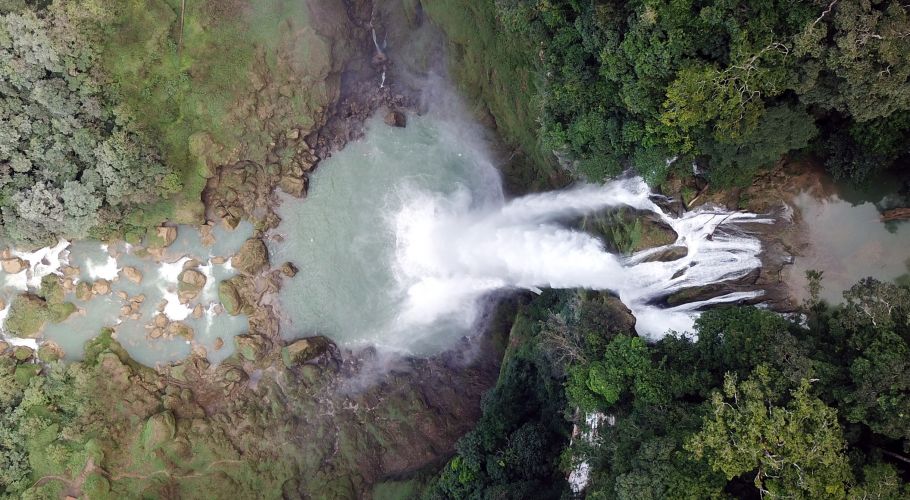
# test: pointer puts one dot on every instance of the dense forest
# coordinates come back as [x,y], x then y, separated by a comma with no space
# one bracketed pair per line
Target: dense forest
[757,405]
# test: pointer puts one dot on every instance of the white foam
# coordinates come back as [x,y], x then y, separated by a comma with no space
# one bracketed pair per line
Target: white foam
[448,255]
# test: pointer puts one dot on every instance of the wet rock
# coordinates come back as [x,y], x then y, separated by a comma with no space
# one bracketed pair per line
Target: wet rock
[206,236]
[668,254]
[84,290]
[125,311]
[132,274]
[101,287]
[252,257]
[13,265]
[2,303]
[303,350]
[190,283]
[219,343]
[163,236]
[122,295]
[49,352]
[70,272]
[294,186]
[3,346]
[396,119]
[68,285]
[198,311]
[178,329]
[218,260]
[156,333]
[160,321]
[138,299]
[230,297]
[251,346]
[190,264]
[288,269]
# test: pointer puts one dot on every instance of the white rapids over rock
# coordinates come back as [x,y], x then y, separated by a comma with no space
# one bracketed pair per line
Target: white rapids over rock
[448,256]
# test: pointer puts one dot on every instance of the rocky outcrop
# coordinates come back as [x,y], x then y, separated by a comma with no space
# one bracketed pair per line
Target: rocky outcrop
[252,257]
[303,350]
[84,290]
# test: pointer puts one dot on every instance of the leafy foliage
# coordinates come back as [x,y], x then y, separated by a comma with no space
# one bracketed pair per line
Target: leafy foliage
[656,84]
[70,162]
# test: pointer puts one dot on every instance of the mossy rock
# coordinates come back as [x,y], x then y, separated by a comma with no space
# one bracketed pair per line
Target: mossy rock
[84,291]
[251,346]
[49,352]
[22,353]
[252,257]
[159,429]
[27,316]
[230,297]
[303,350]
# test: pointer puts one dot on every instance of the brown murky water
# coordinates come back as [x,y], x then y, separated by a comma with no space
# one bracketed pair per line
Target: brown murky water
[847,242]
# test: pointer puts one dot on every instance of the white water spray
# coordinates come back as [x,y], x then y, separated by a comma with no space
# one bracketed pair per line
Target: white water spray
[448,255]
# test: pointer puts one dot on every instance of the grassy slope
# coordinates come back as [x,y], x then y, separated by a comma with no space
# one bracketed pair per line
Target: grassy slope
[497,71]
[191,89]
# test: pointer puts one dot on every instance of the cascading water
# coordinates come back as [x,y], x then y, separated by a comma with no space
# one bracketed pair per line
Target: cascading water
[448,256]
[406,232]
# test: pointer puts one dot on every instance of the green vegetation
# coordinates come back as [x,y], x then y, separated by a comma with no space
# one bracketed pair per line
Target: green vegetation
[732,86]
[72,161]
[757,405]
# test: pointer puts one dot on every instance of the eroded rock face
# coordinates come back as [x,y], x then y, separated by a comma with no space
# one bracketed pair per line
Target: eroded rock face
[13,265]
[252,257]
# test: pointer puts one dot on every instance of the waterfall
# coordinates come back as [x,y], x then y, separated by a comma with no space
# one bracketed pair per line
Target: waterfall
[449,255]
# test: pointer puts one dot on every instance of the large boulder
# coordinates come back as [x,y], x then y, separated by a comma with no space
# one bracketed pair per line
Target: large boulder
[293,185]
[230,298]
[49,352]
[84,290]
[189,283]
[13,265]
[252,257]
[161,236]
[251,346]
[101,287]
[132,274]
[300,351]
